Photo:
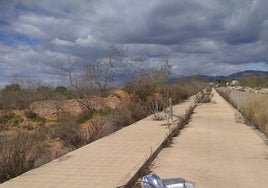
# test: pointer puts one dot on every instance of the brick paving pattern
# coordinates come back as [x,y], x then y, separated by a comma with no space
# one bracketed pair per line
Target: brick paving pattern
[109,162]
[215,151]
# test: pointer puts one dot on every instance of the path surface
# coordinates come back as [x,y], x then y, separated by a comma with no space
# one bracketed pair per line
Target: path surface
[215,151]
[109,162]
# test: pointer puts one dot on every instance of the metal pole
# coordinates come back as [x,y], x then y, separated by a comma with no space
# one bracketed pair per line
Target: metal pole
[170,109]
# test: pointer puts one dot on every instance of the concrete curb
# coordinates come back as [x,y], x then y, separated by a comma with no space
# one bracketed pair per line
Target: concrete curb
[112,161]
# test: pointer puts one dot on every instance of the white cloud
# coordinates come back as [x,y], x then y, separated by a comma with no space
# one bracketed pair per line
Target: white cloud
[87,41]
[205,36]
[29,30]
[192,65]
[25,61]
[148,49]
[60,42]
[41,27]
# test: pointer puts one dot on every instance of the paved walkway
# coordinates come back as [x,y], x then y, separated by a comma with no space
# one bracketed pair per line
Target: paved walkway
[215,151]
[109,162]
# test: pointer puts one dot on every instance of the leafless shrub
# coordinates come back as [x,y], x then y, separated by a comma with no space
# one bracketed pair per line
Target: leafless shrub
[186,118]
[157,107]
[174,132]
[182,90]
[203,96]
[17,156]
[71,133]
[168,142]
[119,118]
[93,79]
[138,109]
[178,92]
[14,97]
[149,165]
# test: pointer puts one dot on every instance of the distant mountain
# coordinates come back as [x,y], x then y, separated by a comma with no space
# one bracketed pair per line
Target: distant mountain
[238,75]
[248,73]
[183,79]
[212,78]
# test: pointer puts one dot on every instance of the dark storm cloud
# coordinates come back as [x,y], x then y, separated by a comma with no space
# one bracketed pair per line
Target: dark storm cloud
[199,36]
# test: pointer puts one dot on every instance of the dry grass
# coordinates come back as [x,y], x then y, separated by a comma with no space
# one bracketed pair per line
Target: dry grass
[226,94]
[254,107]
[71,133]
[17,155]
[204,96]
[256,112]
[182,122]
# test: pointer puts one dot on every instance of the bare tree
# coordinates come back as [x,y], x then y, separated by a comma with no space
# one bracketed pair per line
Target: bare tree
[102,73]
[145,80]
[94,78]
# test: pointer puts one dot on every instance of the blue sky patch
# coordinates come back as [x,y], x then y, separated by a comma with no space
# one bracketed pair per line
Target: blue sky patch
[5,39]
[12,39]
[3,22]
[25,39]
[261,66]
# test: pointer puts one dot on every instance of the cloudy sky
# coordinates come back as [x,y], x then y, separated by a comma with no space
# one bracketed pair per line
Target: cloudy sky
[213,37]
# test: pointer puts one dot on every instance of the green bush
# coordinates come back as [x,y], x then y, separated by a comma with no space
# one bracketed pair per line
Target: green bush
[34,117]
[9,119]
[91,114]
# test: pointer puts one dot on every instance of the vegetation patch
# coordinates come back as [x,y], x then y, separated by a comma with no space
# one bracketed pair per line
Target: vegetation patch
[144,88]
[34,117]
[9,119]
[256,112]
[255,82]
[16,156]
[182,121]
[254,108]
[204,96]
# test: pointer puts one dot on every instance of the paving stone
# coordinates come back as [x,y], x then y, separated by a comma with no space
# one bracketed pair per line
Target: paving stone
[215,151]
[108,162]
